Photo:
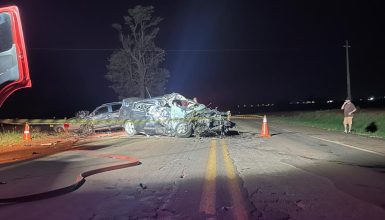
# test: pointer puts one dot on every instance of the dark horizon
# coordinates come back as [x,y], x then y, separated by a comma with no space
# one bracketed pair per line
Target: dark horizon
[223,52]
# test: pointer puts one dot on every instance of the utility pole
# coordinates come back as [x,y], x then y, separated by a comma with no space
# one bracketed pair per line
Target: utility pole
[347,70]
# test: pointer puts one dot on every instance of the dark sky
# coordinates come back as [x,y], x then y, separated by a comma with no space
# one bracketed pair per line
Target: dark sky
[225,52]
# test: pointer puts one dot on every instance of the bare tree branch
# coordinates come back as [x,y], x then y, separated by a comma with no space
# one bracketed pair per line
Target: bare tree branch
[137,65]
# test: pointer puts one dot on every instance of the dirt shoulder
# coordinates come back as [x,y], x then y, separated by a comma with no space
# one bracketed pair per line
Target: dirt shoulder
[35,148]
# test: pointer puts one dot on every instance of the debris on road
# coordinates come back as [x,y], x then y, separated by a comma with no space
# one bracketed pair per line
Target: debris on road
[226,208]
[300,204]
[143,186]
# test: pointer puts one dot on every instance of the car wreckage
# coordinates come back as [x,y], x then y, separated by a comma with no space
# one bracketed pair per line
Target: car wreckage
[172,115]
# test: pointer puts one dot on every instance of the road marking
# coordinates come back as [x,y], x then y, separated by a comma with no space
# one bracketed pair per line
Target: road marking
[339,143]
[208,199]
[347,145]
[234,187]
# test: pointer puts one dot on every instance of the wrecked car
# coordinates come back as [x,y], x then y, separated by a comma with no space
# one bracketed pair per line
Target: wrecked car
[103,117]
[172,115]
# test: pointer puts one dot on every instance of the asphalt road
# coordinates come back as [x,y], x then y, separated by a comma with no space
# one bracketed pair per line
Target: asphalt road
[298,173]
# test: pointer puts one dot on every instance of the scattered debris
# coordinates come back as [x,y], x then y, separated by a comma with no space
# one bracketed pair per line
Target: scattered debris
[300,204]
[183,174]
[143,186]
[226,208]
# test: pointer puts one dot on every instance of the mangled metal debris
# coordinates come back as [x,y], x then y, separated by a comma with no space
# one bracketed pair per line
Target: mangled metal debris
[172,115]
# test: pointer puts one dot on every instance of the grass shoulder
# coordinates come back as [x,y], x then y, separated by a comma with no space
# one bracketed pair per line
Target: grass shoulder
[16,137]
[367,122]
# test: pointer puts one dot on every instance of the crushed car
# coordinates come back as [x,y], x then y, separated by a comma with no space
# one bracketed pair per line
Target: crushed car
[172,115]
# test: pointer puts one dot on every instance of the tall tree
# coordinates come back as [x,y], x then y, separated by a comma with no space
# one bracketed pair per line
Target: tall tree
[136,67]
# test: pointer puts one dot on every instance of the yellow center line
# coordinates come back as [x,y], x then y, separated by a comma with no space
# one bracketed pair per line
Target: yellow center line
[234,187]
[208,199]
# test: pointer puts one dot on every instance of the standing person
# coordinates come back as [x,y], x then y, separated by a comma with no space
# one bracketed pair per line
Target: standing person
[349,109]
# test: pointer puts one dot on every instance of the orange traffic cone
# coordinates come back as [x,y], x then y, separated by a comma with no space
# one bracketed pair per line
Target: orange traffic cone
[27,135]
[265,128]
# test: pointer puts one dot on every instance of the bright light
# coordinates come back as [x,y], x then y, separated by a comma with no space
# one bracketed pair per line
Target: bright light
[371,98]
[329,101]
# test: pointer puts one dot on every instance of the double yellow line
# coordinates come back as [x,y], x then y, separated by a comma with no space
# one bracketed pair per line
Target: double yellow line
[208,199]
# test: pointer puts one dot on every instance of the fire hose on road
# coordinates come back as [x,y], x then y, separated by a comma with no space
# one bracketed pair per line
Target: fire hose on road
[80,180]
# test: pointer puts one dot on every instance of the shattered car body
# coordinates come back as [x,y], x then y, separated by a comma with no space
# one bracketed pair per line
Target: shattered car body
[163,116]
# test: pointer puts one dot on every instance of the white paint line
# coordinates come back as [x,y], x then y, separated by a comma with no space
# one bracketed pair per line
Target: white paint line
[286,130]
[347,145]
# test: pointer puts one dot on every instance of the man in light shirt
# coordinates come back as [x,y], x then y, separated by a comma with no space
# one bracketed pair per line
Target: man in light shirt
[349,109]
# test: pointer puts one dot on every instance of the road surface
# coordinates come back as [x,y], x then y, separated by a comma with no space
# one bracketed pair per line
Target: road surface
[298,173]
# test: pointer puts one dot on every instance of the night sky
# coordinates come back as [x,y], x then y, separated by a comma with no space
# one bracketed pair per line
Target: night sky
[224,52]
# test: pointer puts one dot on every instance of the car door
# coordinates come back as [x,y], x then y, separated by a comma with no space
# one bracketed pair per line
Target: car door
[14,72]
[114,115]
[100,117]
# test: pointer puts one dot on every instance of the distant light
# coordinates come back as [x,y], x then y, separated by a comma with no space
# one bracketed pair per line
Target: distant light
[329,101]
[313,102]
[298,103]
[272,104]
[371,98]
[238,106]
[251,105]
[244,105]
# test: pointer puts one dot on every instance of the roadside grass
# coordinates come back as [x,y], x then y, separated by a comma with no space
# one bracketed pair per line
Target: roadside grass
[10,137]
[16,137]
[368,122]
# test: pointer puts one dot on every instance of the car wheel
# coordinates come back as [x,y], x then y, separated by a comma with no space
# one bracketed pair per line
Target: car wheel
[59,129]
[129,127]
[86,129]
[183,130]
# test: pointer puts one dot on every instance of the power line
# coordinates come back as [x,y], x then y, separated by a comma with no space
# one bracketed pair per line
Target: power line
[166,50]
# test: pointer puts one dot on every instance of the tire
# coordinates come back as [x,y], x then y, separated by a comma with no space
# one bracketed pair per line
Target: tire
[129,127]
[59,130]
[86,129]
[183,130]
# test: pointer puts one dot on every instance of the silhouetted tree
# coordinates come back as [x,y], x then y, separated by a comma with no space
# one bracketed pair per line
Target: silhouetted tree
[136,66]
